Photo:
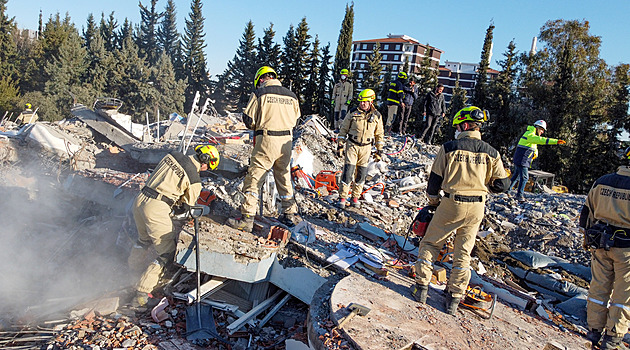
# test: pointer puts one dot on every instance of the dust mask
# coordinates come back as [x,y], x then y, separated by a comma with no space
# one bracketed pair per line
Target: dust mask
[457,133]
[343,77]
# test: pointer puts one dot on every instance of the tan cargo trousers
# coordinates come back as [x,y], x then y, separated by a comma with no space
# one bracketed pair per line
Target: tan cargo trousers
[610,284]
[462,217]
[270,152]
[155,229]
[392,112]
[354,169]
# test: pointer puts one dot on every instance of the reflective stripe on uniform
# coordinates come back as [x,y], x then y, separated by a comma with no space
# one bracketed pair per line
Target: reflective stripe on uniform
[596,301]
[390,100]
[285,197]
[622,306]
[253,194]
[459,268]
[426,261]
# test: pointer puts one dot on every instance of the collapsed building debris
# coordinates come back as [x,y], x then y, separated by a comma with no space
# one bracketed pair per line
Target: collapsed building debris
[261,286]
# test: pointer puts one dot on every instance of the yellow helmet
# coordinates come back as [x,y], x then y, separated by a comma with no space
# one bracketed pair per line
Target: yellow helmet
[208,154]
[470,114]
[366,95]
[262,71]
[28,106]
[402,75]
[627,153]
[344,71]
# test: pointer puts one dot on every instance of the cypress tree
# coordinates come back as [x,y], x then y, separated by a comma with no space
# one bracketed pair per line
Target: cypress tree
[344,43]
[502,130]
[311,88]
[108,31]
[194,57]
[445,132]
[148,35]
[268,51]
[480,94]
[243,67]
[324,84]
[428,74]
[372,79]
[40,24]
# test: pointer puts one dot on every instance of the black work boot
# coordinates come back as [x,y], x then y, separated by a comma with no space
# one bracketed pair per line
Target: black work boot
[244,223]
[612,343]
[451,304]
[594,336]
[289,219]
[420,292]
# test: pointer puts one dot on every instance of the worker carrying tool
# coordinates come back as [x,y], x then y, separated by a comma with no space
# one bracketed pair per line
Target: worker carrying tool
[466,169]
[341,98]
[175,181]
[362,128]
[272,113]
[527,151]
[27,116]
[605,221]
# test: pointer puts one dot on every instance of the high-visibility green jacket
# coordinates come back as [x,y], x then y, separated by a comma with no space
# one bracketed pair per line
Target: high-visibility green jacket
[527,148]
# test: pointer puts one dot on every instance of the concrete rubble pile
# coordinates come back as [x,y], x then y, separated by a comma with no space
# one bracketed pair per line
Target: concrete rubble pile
[528,253]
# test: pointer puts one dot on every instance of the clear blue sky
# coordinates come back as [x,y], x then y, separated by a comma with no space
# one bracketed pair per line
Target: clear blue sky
[456,27]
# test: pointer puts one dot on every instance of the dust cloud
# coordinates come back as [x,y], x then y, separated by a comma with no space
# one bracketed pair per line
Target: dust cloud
[56,251]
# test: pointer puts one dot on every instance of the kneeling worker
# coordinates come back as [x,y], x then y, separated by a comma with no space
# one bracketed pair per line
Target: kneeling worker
[175,180]
[466,169]
[362,127]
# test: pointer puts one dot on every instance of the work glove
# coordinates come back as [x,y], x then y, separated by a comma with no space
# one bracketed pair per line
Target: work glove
[561,142]
[340,145]
[377,155]
[348,102]
[433,200]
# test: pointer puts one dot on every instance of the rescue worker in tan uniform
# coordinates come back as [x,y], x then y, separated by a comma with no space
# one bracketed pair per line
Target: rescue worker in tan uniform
[341,98]
[27,116]
[175,181]
[272,113]
[466,169]
[362,128]
[605,218]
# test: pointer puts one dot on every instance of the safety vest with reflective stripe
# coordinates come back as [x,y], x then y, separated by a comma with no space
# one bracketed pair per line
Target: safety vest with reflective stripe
[396,93]
[527,148]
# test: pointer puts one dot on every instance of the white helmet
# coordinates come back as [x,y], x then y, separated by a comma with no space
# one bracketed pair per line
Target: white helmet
[541,123]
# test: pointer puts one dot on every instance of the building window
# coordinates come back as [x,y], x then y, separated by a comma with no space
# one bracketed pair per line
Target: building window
[362,56]
[384,57]
[386,47]
[362,65]
[395,67]
[360,75]
[396,57]
[364,46]
[397,47]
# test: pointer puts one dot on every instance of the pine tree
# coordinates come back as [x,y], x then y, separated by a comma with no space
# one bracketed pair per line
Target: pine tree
[243,68]
[311,88]
[148,36]
[65,72]
[288,58]
[618,116]
[99,65]
[129,82]
[170,90]
[194,57]
[126,31]
[344,43]
[90,30]
[167,34]
[570,89]
[503,128]
[56,32]
[428,74]
[372,79]
[387,78]
[445,131]
[9,95]
[108,31]
[324,84]
[295,59]
[8,49]
[480,94]
[268,51]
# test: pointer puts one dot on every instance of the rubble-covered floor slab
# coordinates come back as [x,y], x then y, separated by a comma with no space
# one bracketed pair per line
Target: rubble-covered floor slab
[396,321]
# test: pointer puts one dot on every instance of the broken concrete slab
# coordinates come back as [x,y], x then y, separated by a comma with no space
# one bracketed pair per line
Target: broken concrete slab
[100,124]
[285,278]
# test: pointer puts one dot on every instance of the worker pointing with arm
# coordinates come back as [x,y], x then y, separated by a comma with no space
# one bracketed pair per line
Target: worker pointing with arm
[527,151]
[466,169]
[605,218]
